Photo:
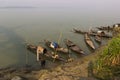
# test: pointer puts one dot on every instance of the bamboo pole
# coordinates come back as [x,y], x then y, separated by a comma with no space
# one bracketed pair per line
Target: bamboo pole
[60,36]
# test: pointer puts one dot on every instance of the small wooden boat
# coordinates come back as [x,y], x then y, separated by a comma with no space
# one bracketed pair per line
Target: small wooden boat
[105,28]
[48,54]
[89,41]
[31,48]
[79,31]
[92,33]
[98,38]
[58,48]
[73,47]
[100,34]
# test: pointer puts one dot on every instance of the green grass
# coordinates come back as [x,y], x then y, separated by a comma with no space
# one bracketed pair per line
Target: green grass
[107,65]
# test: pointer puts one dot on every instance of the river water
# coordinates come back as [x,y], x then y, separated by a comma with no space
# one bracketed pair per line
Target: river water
[19,26]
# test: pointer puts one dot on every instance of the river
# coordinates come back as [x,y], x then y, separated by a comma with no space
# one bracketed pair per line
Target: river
[19,26]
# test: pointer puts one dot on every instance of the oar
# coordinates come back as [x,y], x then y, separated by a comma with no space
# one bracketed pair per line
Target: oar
[59,38]
[58,44]
[68,52]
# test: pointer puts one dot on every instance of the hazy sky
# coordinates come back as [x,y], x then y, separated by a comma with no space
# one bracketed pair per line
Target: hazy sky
[62,3]
[93,5]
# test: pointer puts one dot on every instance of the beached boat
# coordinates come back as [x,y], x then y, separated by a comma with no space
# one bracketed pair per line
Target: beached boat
[79,31]
[105,28]
[74,47]
[92,33]
[48,54]
[32,48]
[89,41]
[98,38]
[54,46]
[100,33]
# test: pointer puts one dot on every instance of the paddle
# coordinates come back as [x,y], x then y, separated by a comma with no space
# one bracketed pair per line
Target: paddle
[58,44]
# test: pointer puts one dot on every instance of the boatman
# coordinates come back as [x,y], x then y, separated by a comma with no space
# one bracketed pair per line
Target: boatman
[100,33]
[40,50]
[55,56]
[54,45]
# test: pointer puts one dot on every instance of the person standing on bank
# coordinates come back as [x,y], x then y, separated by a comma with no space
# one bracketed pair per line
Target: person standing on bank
[43,62]
[41,51]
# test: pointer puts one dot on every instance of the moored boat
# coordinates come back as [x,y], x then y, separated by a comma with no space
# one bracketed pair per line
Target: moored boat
[47,54]
[32,48]
[98,38]
[55,46]
[79,31]
[74,47]
[100,33]
[105,28]
[89,41]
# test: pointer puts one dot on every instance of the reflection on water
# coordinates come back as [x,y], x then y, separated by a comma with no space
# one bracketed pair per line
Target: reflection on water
[11,47]
[18,26]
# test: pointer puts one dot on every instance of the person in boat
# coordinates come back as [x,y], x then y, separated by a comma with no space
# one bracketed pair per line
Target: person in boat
[40,51]
[55,55]
[108,27]
[54,45]
[100,33]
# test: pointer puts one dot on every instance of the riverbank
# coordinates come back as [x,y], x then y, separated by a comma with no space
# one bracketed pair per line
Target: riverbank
[76,70]
[68,71]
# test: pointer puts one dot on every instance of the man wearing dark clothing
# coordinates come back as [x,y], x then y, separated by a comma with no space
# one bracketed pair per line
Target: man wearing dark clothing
[43,62]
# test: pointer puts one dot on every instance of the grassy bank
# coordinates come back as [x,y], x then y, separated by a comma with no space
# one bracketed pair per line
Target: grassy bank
[107,66]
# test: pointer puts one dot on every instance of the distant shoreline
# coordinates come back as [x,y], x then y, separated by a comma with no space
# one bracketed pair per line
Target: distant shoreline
[33,7]
[8,7]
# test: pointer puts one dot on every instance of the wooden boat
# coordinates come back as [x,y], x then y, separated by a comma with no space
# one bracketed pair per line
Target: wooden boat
[92,33]
[101,35]
[73,47]
[48,54]
[107,36]
[58,49]
[98,38]
[31,48]
[105,28]
[79,31]
[89,41]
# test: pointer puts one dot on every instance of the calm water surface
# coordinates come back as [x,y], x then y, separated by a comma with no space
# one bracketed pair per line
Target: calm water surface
[18,26]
